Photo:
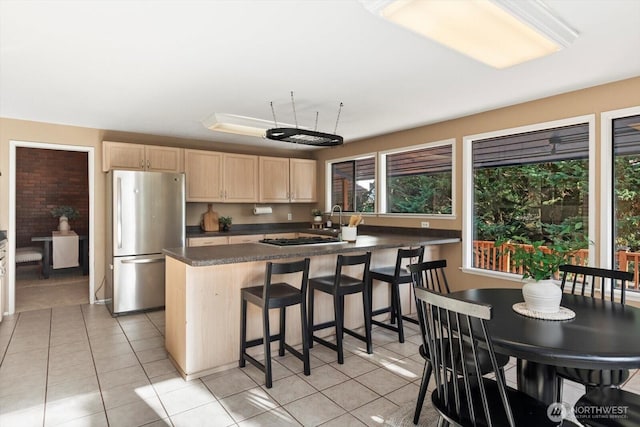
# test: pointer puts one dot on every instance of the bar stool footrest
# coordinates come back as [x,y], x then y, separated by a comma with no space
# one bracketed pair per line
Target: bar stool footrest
[378,311]
[260,341]
[325,343]
[254,362]
[384,325]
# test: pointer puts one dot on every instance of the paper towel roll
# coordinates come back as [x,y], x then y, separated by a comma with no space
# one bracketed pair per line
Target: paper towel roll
[262,210]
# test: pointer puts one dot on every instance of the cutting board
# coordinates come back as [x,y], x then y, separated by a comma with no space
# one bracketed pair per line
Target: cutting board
[210,220]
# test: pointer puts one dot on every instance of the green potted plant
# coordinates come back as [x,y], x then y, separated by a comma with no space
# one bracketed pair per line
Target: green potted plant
[225,222]
[539,262]
[64,213]
[317,215]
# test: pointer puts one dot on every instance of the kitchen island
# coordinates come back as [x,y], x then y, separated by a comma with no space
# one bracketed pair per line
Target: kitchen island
[203,294]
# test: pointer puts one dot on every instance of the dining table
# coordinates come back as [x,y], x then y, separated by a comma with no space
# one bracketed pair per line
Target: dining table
[602,335]
[47,243]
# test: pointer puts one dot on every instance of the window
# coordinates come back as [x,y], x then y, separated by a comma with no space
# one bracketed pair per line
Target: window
[528,182]
[353,184]
[419,181]
[626,195]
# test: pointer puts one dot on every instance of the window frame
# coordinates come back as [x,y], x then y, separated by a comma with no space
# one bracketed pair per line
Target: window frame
[328,179]
[467,189]
[606,187]
[381,201]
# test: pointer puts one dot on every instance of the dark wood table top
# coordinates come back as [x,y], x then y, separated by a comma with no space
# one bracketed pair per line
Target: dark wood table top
[603,335]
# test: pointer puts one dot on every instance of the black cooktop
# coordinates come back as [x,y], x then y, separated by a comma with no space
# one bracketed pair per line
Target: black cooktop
[300,241]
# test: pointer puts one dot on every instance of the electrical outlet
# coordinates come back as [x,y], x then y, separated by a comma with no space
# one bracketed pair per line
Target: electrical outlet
[289,216]
[424,224]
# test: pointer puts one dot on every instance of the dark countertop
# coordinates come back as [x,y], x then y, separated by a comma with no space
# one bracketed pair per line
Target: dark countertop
[248,252]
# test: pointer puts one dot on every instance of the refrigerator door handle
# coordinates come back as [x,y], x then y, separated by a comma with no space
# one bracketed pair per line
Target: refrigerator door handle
[119,213]
[143,261]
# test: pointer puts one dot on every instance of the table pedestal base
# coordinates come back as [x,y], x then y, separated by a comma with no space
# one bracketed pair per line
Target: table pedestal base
[537,380]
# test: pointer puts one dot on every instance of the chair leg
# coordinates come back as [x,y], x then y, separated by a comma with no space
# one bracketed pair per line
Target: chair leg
[395,288]
[366,302]
[305,338]
[310,318]
[337,307]
[426,376]
[283,329]
[243,333]
[558,389]
[267,347]
[394,313]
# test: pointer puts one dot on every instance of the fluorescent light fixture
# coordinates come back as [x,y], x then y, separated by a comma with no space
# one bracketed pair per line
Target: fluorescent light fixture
[499,33]
[238,125]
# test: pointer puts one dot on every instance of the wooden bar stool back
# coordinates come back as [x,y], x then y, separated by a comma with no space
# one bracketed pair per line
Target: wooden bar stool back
[395,276]
[338,286]
[276,295]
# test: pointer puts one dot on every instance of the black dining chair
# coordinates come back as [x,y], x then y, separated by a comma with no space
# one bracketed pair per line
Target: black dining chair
[339,285]
[431,275]
[276,295]
[577,279]
[463,396]
[623,408]
[395,276]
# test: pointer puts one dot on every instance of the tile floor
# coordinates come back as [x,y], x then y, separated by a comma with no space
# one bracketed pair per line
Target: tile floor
[63,287]
[78,366]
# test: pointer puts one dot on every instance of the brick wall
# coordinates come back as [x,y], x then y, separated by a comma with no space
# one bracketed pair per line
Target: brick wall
[46,179]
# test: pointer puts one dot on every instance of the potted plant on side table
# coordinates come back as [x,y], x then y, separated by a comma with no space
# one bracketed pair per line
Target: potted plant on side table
[539,262]
[65,213]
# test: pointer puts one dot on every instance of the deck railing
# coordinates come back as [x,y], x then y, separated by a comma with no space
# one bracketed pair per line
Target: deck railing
[498,258]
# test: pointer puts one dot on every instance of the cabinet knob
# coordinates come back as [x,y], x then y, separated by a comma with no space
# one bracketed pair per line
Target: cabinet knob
[148,164]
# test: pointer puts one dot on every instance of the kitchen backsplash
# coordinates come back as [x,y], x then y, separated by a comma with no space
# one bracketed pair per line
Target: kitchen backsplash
[242,213]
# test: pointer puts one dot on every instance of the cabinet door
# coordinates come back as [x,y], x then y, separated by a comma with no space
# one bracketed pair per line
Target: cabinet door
[120,155]
[251,238]
[203,170]
[240,178]
[207,241]
[302,180]
[274,180]
[163,159]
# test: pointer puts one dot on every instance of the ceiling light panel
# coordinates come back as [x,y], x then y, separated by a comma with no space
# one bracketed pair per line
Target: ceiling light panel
[487,31]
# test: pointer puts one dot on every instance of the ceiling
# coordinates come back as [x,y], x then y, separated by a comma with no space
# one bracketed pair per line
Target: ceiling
[163,67]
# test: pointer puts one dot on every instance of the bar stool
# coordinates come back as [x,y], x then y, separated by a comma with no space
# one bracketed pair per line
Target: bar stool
[338,286]
[394,276]
[276,295]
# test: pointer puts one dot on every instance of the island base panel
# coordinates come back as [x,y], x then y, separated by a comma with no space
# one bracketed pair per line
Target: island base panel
[203,310]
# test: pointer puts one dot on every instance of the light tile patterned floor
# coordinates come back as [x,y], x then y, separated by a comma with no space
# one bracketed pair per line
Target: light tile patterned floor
[78,366]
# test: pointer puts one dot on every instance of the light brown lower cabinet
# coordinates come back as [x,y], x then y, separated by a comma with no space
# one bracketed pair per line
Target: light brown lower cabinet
[203,309]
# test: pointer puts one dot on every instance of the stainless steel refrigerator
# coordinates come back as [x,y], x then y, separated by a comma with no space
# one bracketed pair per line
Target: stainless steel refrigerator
[145,213]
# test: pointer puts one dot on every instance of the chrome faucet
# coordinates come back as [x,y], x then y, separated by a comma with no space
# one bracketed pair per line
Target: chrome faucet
[340,213]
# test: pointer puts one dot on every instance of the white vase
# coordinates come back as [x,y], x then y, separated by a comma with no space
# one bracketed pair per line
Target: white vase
[63,225]
[317,219]
[543,296]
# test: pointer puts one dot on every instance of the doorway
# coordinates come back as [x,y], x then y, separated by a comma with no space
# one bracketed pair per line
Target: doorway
[45,176]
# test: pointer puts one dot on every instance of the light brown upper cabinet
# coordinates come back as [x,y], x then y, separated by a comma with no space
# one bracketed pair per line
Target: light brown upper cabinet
[302,180]
[240,178]
[274,180]
[285,180]
[221,177]
[203,171]
[152,158]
